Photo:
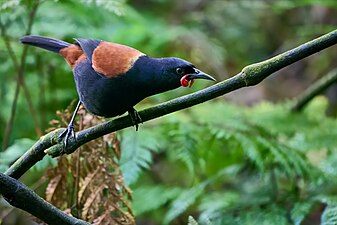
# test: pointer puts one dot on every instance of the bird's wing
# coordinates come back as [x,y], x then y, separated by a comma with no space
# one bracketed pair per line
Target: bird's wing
[112,60]
[87,84]
[108,59]
[88,46]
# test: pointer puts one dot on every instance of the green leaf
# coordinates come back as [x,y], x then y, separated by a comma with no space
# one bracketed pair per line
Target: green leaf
[300,211]
[190,196]
[115,6]
[182,145]
[329,216]
[214,203]
[148,198]
[13,152]
[9,4]
[192,221]
[183,201]
[272,215]
[137,148]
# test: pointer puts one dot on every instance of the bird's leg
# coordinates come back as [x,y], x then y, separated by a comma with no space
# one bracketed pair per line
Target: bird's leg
[70,129]
[135,118]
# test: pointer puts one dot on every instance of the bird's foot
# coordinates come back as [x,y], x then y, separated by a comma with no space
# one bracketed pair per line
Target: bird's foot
[70,131]
[135,118]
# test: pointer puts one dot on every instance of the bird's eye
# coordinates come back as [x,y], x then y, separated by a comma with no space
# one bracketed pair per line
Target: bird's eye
[180,71]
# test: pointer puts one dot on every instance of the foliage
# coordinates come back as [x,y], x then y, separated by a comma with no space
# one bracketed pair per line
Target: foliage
[266,163]
[13,152]
[89,183]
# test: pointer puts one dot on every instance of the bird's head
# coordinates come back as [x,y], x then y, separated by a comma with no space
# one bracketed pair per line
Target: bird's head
[178,72]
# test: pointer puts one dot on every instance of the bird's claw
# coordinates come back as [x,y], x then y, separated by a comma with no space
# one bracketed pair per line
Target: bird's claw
[135,118]
[66,134]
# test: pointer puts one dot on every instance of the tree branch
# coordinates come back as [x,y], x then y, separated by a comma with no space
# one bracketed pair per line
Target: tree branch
[33,155]
[20,196]
[315,89]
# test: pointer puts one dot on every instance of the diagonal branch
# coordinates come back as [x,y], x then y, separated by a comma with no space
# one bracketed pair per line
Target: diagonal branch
[33,155]
[315,89]
[249,76]
[20,196]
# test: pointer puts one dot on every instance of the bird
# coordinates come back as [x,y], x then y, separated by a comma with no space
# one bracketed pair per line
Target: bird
[112,78]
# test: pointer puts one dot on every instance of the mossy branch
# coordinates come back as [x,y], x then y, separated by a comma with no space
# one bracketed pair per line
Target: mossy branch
[20,196]
[317,88]
[249,76]
[33,155]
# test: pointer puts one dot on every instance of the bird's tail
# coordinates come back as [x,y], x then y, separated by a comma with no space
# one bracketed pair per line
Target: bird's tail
[49,44]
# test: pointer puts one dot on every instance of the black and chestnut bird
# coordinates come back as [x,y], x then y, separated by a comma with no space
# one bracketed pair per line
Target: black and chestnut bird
[112,78]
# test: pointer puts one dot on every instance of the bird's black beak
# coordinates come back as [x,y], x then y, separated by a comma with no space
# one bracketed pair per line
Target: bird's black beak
[198,74]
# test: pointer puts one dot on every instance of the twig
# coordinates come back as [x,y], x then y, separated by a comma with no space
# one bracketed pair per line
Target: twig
[8,45]
[20,79]
[250,75]
[315,89]
[20,196]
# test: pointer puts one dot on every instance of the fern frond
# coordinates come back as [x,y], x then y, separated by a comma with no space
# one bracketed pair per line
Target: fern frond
[153,196]
[52,186]
[99,220]
[213,204]
[90,200]
[187,197]
[9,5]
[183,201]
[264,217]
[14,151]
[87,180]
[92,185]
[115,6]
[192,221]
[137,152]
[183,146]
[300,211]
[329,216]
[251,149]
[277,156]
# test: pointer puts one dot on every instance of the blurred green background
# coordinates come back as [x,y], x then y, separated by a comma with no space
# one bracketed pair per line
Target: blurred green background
[240,159]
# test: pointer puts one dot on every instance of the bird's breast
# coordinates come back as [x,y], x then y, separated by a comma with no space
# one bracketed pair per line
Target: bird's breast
[104,96]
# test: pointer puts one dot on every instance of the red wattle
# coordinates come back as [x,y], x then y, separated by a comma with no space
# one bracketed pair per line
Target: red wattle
[183,81]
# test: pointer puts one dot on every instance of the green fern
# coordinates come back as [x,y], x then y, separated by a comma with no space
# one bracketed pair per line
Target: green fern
[265,151]
[300,211]
[9,4]
[183,201]
[329,216]
[137,148]
[147,198]
[192,221]
[115,6]
[13,152]
[182,145]
[271,215]
[213,204]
